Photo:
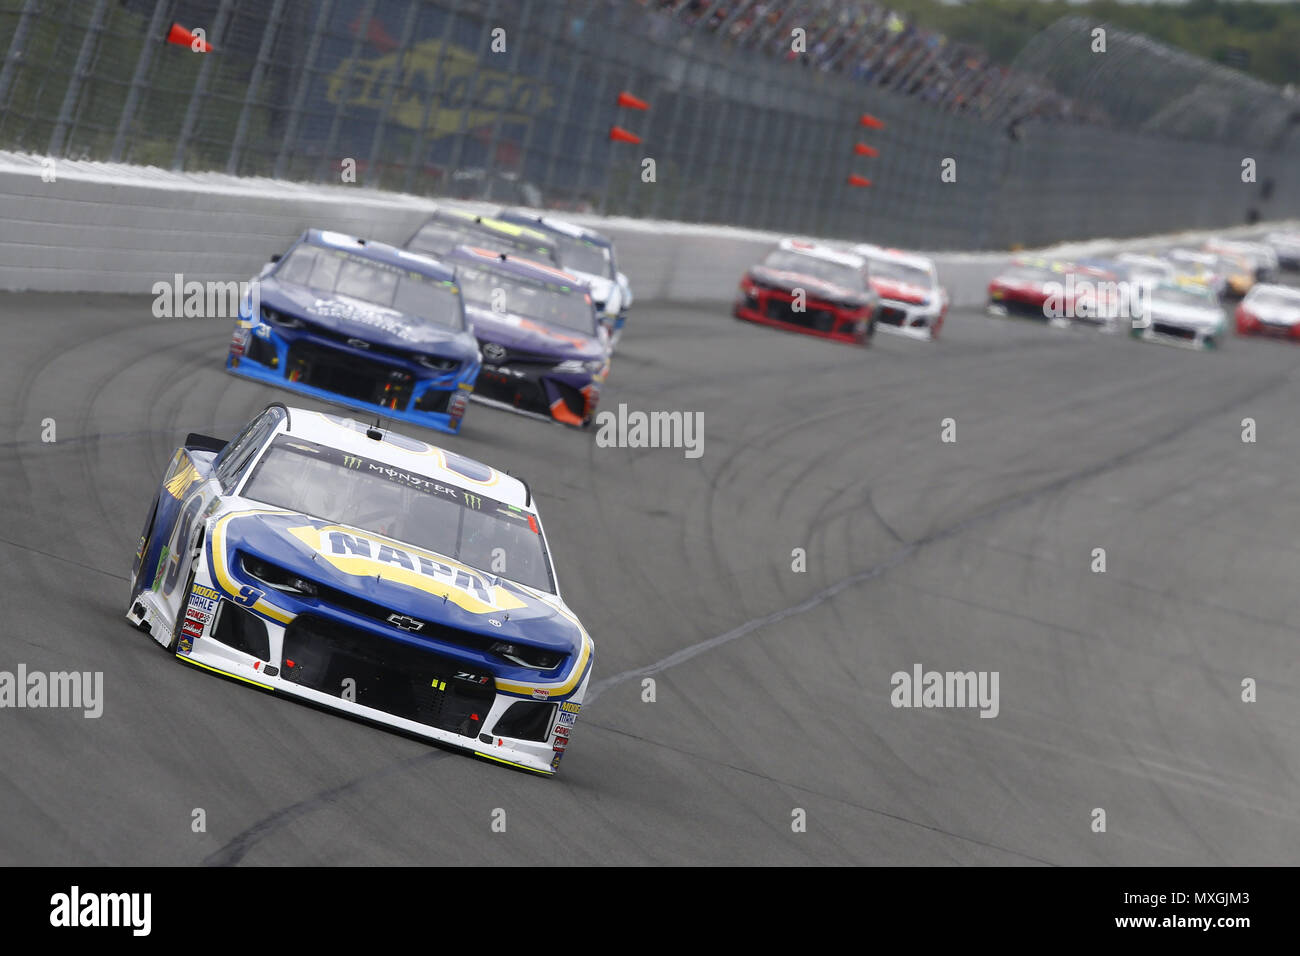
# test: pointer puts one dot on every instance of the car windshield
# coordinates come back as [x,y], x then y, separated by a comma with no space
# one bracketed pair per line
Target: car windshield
[553,303]
[439,236]
[334,271]
[896,271]
[584,256]
[476,530]
[437,239]
[845,276]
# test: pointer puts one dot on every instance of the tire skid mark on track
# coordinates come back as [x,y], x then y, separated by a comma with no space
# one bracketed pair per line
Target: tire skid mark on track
[241,844]
[810,791]
[995,510]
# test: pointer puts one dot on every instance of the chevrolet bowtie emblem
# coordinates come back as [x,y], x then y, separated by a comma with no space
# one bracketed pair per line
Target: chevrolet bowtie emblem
[404,622]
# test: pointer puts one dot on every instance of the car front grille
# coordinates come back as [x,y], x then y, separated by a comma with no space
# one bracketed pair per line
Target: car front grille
[387,675]
[1173,331]
[349,375]
[522,393]
[820,320]
[891,316]
[1028,310]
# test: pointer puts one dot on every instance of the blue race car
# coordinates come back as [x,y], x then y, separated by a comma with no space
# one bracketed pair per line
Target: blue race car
[363,324]
[370,573]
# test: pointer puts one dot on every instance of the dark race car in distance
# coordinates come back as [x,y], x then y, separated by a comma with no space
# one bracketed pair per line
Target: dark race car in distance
[544,351]
[589,255]
[362,324]
[813,289]
[449,227]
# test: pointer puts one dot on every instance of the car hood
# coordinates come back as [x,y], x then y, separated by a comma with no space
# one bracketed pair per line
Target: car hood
[815,287]
[528,335]
[1186,315]
[1279,316]
[399,577]
[364,320]
[900,291]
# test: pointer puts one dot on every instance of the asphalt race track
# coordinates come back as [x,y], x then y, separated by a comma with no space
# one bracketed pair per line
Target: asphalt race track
[1118,690]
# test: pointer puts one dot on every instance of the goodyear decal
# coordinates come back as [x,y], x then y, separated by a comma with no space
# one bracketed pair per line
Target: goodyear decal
[364,556]
[439,81]
[183,478]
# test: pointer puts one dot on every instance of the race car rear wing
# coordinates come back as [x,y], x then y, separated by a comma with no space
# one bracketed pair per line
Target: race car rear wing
[196,442]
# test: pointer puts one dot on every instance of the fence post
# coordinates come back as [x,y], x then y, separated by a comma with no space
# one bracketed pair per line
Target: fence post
[153,39]
[200,87]
[403,51]
[300,94]
[254,85]
[331,144]
[72,94]
[417,141]
[462,128]
[16,52]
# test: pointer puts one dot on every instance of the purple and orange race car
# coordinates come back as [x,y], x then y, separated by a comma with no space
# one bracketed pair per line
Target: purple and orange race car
[545,352]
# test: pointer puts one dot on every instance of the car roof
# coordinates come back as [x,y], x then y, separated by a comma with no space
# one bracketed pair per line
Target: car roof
[407,453]
[895,255]
[467,217]
[561,226]
[380,252]
[818,251]
[516,265]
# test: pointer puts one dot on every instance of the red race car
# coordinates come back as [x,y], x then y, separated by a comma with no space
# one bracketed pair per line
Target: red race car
[810,288]
[1272,310]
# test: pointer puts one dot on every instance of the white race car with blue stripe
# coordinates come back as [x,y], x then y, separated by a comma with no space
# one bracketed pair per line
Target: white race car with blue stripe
[371,573]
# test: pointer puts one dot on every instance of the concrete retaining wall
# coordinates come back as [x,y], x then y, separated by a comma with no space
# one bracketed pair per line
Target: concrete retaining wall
[97,227]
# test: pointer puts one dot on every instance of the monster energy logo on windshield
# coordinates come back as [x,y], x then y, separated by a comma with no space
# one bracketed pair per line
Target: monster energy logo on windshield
[472,501]
[351,461]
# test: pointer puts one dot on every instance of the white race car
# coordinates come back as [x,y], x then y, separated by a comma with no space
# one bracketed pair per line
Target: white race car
[912,302]
[1182,313]
[370,573]
[1261,256]
[1286,246]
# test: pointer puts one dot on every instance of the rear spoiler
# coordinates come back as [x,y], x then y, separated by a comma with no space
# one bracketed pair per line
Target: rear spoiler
[196,442]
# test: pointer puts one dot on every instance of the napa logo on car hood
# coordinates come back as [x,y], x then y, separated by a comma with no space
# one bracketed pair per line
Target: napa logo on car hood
[393,574]
[366,556]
